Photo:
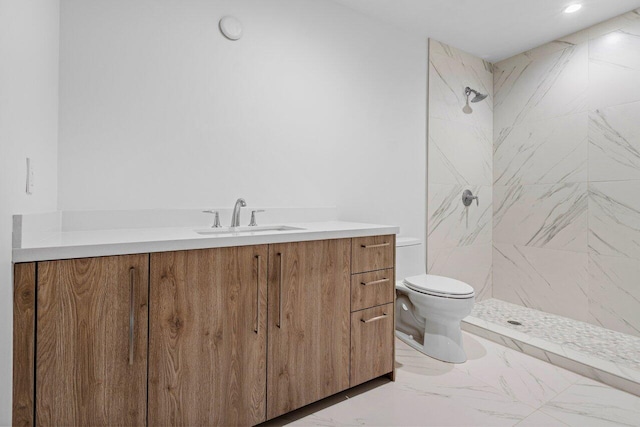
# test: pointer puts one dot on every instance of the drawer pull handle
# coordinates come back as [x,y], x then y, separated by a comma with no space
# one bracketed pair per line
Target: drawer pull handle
[132,312]
[379,245]
[373,319]
[375,282]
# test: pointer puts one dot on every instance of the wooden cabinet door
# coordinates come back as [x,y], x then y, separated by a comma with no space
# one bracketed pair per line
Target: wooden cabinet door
[208,337]
[372,336]
[309,323]
[91,343]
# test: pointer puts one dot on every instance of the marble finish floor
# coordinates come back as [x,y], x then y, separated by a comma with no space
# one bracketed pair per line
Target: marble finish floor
[497,386]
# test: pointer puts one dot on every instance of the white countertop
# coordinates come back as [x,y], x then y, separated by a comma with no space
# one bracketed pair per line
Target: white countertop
[82,244]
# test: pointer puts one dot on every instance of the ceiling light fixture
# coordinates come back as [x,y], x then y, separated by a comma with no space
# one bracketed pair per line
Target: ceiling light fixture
[573,8]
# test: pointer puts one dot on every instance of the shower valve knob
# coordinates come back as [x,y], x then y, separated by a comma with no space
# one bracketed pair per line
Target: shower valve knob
[468,198]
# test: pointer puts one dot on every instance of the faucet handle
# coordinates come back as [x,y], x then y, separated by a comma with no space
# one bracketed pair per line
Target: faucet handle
[216,218]
[468,197]
[253,222]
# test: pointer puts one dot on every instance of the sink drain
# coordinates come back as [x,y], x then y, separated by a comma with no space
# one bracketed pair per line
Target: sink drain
[514,322]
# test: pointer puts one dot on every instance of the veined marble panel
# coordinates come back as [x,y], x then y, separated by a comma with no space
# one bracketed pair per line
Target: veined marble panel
[470,264]
[538,419]
[451,224]
[448,77]
[589,403]
[544,279]
[614,218]
[557,45]
[522,377]
[544,216]
[532,89]
[474,62]
[612,85]
[547,152]
[614,142]
[629,20]
[614,293]
[614,67]
[459,153]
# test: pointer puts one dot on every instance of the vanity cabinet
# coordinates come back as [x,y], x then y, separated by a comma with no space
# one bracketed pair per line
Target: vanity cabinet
[208,337]
[309,332]
[91,346]
[223,336]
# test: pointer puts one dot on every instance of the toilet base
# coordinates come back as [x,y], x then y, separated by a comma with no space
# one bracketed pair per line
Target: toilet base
[446,348]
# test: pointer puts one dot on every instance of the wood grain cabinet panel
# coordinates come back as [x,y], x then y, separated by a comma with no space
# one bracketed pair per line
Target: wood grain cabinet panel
[208,337]
[372,337]
[373,253]
[24,311]
[91,347]
[309,332]
[371,289]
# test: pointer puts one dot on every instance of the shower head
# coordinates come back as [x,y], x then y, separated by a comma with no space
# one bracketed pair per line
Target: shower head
[478,96]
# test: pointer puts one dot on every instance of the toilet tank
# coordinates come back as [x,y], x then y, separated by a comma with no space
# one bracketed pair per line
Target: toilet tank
[410,257]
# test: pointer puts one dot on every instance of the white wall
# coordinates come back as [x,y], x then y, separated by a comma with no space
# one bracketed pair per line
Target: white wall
[316,105]
[28,127]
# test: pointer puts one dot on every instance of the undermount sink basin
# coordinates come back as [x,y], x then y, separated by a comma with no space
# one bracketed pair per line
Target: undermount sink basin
[246,230]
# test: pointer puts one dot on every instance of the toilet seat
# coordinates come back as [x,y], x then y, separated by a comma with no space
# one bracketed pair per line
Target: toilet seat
[439,286]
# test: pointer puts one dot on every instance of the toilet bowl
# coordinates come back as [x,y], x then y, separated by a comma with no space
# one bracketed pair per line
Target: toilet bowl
[429,309]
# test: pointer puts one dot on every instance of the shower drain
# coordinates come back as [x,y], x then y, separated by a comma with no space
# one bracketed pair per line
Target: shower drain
[514,322]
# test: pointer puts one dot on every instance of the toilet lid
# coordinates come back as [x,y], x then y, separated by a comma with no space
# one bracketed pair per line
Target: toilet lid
[439,286]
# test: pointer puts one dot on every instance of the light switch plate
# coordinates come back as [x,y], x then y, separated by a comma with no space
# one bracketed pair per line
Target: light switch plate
[30,176]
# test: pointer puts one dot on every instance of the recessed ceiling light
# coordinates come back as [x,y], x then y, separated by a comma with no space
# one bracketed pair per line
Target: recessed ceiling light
[573,8]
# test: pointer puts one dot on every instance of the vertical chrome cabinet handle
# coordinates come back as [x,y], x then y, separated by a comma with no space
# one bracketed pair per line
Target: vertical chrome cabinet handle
[257,323]
[280,293]
[132,311]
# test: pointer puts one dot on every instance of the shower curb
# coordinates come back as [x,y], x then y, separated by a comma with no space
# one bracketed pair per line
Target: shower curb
[604,371]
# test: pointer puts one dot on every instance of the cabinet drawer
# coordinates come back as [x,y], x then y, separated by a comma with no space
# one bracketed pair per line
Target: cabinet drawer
[372,289]
[371,343]
[372,253]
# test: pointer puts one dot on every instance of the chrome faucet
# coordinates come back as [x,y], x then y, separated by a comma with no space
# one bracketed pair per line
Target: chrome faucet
[235,218]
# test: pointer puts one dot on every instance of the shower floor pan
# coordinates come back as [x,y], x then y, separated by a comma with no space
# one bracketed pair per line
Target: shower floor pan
[604,355]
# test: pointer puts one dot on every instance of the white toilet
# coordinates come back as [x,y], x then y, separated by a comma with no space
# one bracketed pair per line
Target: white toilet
[428,313]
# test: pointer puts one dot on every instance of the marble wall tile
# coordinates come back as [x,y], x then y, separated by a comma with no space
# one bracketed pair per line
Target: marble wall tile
[460,156]
[551,85]
[612,86]
[614,218]
[448,77]
[544,279]
[614,67]
[614,293]
[627,20]
[547,152]
[451,224]
[474,62]
[459,153]
[544,216]
[614,142]
[469,264]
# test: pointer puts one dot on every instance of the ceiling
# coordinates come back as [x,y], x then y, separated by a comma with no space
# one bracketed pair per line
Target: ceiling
[491,29]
